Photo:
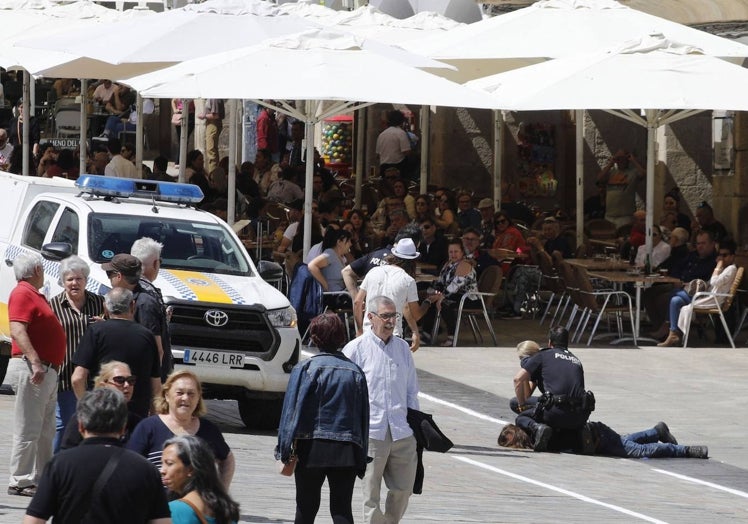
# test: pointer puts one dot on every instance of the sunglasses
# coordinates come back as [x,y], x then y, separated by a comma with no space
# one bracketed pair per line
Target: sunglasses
[120,380]
[725,254]
[387,316]
[426,226]
[502,221]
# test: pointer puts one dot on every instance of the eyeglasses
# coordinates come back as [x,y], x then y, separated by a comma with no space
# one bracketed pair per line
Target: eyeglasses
[120,380]
[502,221]
[111,273]
[387,316]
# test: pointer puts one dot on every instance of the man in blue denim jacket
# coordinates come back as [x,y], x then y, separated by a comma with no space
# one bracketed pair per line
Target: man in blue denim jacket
[393,388]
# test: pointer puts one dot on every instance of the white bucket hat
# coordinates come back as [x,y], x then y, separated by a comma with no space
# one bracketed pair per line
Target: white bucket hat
[405,248]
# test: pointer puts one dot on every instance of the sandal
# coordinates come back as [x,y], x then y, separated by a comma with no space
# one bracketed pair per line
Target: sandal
[28,491]
[447,343]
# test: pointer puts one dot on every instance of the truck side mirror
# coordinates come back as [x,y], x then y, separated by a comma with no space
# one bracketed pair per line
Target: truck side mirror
[57,250]
[270,271]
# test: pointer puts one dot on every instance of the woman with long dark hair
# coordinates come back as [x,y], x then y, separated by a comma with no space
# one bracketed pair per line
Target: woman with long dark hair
[324,426]
[188,470]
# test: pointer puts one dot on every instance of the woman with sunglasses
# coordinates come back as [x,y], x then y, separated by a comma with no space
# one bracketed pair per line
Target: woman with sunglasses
[682,304]
[116,375]
[507,235]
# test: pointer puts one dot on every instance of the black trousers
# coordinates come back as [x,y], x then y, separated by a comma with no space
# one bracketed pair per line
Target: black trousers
[309,485]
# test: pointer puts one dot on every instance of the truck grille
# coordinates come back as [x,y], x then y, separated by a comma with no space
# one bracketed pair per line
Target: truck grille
[229,328]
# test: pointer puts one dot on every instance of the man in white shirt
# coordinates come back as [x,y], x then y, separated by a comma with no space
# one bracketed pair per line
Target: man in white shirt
[393,280]
[121,166]
[393,144]
[390,372]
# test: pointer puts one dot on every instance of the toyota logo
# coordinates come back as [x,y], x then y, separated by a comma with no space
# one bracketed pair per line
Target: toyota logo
[216,318]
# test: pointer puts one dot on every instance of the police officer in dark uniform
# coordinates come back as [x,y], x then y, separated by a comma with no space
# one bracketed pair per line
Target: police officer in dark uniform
[564,403]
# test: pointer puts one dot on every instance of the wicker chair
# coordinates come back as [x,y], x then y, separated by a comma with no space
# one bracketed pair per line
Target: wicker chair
[712,306]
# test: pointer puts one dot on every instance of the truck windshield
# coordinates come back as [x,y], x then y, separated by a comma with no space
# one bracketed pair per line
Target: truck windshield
[192,246]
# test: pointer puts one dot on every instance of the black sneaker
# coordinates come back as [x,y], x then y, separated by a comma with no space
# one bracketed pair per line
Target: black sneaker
[697,452]
[664,433]
[543,436]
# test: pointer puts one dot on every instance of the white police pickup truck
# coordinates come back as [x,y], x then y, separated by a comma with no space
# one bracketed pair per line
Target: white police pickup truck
[234,330]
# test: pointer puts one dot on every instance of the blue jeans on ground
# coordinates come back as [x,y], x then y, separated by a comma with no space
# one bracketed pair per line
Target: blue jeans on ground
[642,444]
[679,299]
[66,404]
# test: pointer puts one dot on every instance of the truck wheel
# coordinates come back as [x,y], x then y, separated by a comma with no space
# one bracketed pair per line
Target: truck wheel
[260,413]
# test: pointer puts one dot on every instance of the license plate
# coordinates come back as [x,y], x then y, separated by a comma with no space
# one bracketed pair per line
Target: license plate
[219,359]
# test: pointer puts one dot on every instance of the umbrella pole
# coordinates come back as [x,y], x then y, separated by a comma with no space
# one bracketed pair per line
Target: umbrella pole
[84,126]
[651,129]
[233,139]
[498,156]
[138,135]
[309,131]
[183,140]
[360,124]
[579,117]
[425,147]
[26,148]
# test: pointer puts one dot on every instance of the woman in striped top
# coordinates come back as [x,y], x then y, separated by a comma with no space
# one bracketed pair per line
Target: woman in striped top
[76,308]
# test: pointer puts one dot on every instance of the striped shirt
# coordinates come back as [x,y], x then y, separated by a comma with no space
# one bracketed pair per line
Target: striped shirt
[74,323]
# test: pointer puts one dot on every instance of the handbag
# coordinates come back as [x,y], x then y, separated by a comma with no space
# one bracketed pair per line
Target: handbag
[176,119]
[695,286]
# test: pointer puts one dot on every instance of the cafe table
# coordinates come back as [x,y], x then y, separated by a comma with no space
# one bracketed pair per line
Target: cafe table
[639,280]
[599,264]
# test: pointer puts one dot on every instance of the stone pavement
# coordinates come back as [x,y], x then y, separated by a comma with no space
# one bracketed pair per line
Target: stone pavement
[698,392]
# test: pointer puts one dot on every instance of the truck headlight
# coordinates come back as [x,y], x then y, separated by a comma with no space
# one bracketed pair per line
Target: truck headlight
[285,317]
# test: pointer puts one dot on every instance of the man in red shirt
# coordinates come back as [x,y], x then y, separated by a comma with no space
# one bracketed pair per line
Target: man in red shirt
[37,354]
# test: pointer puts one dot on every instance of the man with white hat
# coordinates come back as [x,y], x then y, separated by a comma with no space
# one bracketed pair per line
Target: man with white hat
[393,280]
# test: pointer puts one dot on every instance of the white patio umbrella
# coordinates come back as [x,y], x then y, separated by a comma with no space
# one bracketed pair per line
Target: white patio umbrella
[316,66]
[553,29]
[673,81]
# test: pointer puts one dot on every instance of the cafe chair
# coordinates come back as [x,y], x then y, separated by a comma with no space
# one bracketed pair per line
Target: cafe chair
[489,285]
[68,121]
[551,286]
[599,302]
[712,306]
[572,295]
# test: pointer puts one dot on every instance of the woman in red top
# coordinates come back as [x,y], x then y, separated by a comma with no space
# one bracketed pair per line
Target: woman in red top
[507,235]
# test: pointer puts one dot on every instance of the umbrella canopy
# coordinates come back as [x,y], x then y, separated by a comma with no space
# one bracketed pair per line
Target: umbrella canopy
[161,38]
[683,74]
[552,29]
[684,78]
[314,65]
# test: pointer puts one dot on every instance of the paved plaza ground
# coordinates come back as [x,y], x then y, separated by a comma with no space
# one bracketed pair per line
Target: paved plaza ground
[699,392]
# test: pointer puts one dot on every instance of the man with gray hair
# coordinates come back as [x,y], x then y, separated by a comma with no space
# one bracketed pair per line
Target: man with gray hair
[38,349]
[148,251]
[119,338]
[390,372]
[98,481]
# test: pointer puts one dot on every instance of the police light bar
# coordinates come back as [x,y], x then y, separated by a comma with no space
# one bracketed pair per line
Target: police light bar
[105,186]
